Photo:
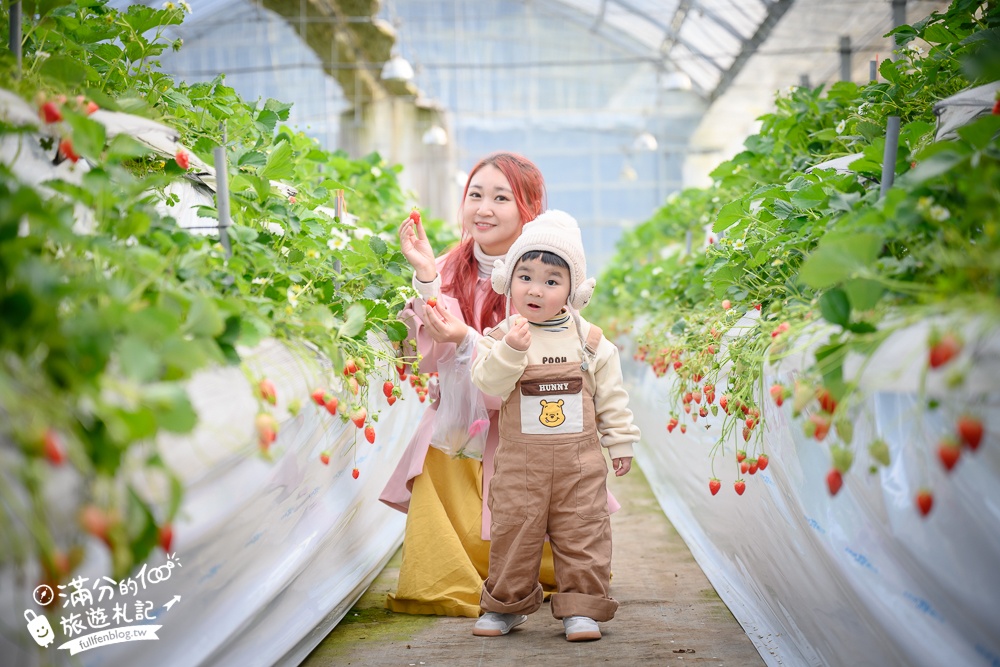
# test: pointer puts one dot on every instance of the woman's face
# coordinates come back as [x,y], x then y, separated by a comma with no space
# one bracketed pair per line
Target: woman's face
[489,211]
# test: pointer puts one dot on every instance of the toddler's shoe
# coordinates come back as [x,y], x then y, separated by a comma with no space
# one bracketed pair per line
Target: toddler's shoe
[581,629]
[493,624]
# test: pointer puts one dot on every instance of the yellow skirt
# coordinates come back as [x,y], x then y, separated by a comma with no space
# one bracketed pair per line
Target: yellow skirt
[445,559]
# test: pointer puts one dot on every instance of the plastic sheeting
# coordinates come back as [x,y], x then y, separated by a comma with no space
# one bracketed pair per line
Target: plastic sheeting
[272,553]
[860,578]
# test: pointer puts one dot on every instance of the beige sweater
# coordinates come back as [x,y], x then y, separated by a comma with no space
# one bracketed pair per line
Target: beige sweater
[498,367]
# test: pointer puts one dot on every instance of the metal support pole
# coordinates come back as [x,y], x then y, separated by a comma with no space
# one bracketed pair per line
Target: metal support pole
[889,156]
[687,242]
[898,16]
[15,35]
[845,58]
[222,191]
[804,81]
[873,70]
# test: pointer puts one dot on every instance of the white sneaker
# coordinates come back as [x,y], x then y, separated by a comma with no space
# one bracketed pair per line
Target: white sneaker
[493,624]
[581,629]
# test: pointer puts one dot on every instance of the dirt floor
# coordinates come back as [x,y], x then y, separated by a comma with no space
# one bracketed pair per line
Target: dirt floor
[669,613]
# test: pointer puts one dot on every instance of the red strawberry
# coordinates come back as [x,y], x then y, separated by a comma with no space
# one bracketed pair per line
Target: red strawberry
[726,304]
[53,447]
[684,428]
[756,306]
[355,473]
[95,521]
[292,199]
[267,391]
[949,452]
[753,465]
[834,481]
[696,396]
[319,395]
[762,462]
[778,394]
[422,397]
[780,329]
[826,401]
[359,416]
[330,404]
[724,403]
[324,457]
[710,397]
[353,385]
[166,536]
[687,408]
[710,348]
[996,108]
[740,487]
[66,150]
[370,434]
[714,485]
[182,159]
[820,424]
[925,500]
[415,216]
[740,455]
[91,107]
[672,424]
[432,302]
[944,349]
[746,434]
[744,467]
[970,429]
[677,365]
[51,113]
[387,387]
[703,411]
[696,377]
[750,422]
[351,367]
[391,400]
[267,429]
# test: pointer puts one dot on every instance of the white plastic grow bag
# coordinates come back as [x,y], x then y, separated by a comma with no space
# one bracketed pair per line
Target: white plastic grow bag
[272,553]
[860,578]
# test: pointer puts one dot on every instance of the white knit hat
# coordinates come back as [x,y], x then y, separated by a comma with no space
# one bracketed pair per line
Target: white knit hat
[556,232]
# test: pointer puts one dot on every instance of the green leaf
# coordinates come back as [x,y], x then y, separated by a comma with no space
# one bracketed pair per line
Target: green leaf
[838,258]
[204,318]
[138,360]
[279,163]
[863,293]
[171,405]
[66,69]
[354,323]
[123,147]
[88,134]
[729,214]
[396,331]
[861,328]
[981,132]
[377,245]
[835,307]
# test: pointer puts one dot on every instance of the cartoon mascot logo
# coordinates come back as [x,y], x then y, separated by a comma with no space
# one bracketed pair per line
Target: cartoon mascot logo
[552,413]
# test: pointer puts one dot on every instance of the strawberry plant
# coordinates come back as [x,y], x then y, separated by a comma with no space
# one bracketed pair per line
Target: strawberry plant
[109,305]
[780,252]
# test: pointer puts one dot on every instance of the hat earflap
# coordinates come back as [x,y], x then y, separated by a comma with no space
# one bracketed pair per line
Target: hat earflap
[582,294]
[498,278]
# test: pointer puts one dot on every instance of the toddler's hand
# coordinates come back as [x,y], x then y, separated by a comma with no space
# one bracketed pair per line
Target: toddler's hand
[519,336]
[622,465]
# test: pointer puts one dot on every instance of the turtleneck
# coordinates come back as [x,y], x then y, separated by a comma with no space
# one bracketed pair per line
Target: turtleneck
[485,261]
[556,323]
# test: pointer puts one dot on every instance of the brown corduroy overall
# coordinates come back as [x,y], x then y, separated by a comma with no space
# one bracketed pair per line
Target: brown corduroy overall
[550,478]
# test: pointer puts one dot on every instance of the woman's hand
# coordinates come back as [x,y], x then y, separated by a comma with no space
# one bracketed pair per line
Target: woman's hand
[417,250]
[442,325]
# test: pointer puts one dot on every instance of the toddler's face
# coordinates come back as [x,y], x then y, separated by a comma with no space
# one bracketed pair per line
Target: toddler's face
[538,290]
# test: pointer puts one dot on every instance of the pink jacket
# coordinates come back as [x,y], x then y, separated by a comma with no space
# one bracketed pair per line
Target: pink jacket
[397,491]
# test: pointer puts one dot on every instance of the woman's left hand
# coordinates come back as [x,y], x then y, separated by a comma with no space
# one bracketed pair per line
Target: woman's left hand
[443,326]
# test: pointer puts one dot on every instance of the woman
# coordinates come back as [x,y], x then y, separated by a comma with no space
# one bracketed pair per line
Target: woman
[446,548]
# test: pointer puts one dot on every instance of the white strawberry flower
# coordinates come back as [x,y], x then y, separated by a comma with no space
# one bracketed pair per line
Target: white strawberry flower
[338,241]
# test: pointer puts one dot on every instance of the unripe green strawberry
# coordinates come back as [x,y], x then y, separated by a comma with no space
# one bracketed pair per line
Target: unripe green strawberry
[842,458]
[879,451]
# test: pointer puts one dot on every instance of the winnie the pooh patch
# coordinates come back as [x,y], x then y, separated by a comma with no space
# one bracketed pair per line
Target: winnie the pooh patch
[552,413]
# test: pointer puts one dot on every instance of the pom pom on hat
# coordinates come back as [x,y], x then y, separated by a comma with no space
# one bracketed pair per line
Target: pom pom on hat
[556,232]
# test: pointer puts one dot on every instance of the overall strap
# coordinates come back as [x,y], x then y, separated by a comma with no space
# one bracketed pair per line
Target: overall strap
[496,333]
[594,339]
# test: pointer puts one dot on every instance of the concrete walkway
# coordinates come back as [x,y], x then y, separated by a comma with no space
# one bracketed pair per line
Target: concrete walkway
[669,613]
